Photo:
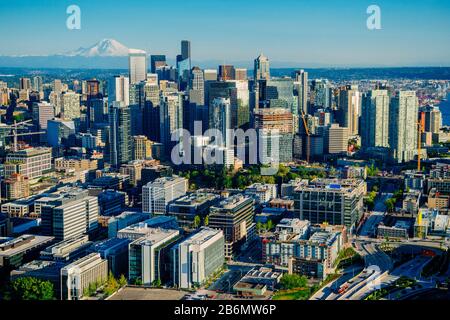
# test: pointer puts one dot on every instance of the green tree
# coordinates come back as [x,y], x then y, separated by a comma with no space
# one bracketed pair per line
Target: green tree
[293,281]
[122,281]
[259,226]
[29,288]
[156,283]
[206,221]
[197,221]
[269,225]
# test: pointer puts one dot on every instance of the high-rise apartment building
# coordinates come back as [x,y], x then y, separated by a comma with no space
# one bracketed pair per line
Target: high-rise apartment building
[70,105]
[170,117]
[403,132]
[142,148]
[119,89]
[197,87]
[120,139]
[349,109]
[220,110]
[301,78]
[240,74]
[275,121]
[337,139]
[375,119]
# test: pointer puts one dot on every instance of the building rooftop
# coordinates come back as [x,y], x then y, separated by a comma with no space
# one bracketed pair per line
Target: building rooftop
[202,236]
[333,185]
[195,199]
[157,235]
[293,223]
[22,243]
[232,202]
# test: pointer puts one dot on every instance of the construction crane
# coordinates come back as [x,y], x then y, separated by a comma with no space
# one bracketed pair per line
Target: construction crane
[308,138]
[421,129]
[14,134]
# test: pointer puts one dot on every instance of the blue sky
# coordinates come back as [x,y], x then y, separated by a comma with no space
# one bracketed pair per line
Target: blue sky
[331,32]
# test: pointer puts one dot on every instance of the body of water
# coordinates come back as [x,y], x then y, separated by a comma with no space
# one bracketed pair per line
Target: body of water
[445,109]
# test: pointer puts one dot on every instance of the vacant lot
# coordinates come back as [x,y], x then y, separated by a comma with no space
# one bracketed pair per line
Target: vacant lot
[134,293]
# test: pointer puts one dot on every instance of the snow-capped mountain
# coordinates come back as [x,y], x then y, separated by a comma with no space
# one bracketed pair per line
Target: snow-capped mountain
[103,48]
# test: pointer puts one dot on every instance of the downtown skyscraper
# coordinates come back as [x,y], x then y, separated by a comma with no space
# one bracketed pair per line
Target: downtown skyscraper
[137,60]
[375,119]
[403,126]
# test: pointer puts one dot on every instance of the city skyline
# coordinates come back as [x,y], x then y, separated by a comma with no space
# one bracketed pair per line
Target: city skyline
[306,33]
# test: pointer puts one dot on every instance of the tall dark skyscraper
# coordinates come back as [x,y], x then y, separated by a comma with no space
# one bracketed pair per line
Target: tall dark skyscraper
[120,134]
[184,65]
[157,61]
[186,50]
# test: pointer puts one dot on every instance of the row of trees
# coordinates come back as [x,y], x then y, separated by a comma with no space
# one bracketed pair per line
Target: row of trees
[107,287]
[29,288]
[222,178]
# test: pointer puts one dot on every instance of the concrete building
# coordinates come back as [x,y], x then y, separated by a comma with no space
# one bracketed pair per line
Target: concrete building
[31,162]
[337,139]
[186,208]
[125,219]
[17,251]
[119,89]
[261,70]
[142,148]
[67,250]
[156,195]
[115,251]
[71,215]
[313,256]
[137,60]
[235,217]
[262,193]
[70,105]
[77,276]
[349,109]
[197,258]
[149,258]
[337,202]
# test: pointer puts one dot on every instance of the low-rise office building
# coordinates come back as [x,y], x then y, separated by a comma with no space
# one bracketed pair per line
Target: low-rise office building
[262,192]
[67,250]
[115,251]
[198,257]
[235,217]
[78,275]
[186,208]
[334,201]
[20,250]
[149,256]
